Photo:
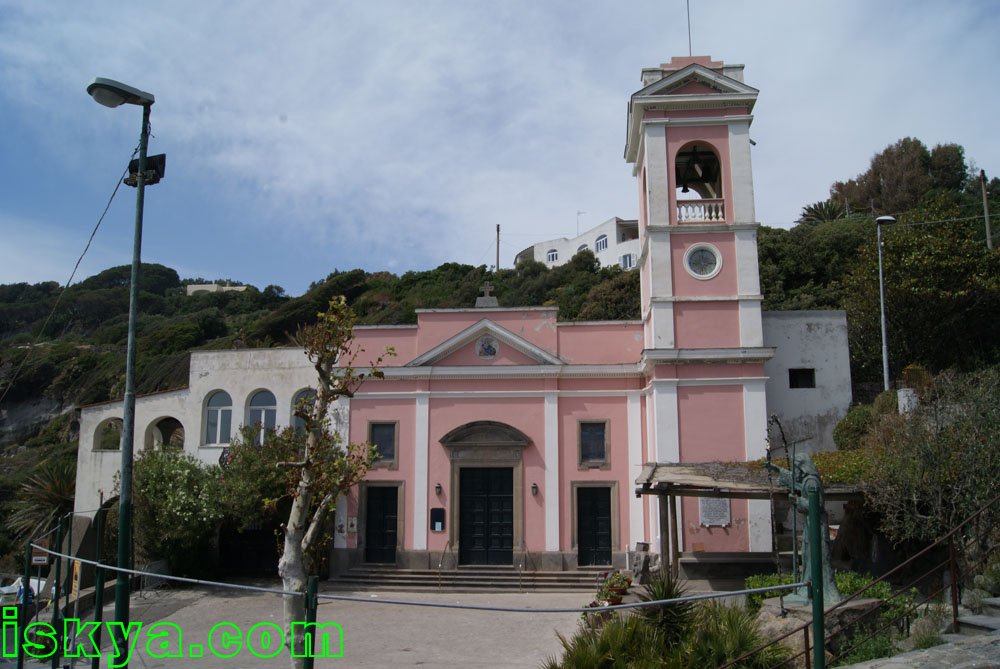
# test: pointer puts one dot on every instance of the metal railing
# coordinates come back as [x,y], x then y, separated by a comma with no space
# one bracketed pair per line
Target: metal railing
[447,548]
[100,567]
[969,546]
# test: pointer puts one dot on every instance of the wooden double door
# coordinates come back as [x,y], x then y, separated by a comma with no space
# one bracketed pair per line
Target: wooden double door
[486,516]
[593,526]
[381,523]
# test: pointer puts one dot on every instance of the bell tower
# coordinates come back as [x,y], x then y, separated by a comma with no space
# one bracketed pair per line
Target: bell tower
[689,143]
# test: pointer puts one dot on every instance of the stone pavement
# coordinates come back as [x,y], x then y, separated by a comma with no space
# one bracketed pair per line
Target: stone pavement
[380,635]
[962,652]
[375,634]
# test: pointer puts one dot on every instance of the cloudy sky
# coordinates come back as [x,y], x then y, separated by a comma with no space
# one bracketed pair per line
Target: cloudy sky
[306,136]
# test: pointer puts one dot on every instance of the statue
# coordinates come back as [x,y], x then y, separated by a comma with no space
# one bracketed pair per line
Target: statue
[806,477]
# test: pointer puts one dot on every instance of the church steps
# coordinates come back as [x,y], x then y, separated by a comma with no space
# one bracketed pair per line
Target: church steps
[466,578]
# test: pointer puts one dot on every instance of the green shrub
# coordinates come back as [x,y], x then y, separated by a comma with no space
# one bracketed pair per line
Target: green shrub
[845,467]
[886,404]
[671,620]
[927,629]
[621,642]
[894,609]
[723,633]
[880,645]
[852,428]
[177,509]
[755,599]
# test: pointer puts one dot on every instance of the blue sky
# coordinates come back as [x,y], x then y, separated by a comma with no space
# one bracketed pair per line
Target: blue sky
[303,136]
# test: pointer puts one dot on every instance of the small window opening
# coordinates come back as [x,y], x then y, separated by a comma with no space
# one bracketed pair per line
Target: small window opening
[802,378]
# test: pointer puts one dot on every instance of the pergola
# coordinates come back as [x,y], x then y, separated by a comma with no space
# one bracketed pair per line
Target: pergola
[726,480]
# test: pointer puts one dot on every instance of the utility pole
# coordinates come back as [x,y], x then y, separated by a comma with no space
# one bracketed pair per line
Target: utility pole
[986,211]
[578,221]
[496,268]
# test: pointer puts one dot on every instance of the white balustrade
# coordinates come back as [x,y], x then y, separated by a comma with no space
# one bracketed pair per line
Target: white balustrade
[701,211]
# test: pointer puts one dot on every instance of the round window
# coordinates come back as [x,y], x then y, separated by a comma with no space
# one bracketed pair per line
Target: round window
[703,261]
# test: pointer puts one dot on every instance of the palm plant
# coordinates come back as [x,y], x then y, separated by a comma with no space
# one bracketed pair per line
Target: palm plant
[622,641]
[722,634]
[672,620]
[44,498]
[819,212]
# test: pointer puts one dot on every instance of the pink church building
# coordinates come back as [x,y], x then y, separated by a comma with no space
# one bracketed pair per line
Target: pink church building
[510,437]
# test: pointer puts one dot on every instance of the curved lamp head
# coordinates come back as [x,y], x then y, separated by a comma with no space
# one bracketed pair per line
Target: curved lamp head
[111,93]
[885,220]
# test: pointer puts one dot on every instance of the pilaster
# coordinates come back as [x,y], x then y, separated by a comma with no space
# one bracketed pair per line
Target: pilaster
[420,456]
[551,472]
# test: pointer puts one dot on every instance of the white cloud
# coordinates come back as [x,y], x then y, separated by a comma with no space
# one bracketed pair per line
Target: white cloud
[398,134]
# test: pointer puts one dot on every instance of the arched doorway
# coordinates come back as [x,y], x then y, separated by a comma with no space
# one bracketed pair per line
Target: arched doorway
[166,434]
[487,483]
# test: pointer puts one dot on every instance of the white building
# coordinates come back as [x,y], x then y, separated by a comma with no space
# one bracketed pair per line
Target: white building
[614,242]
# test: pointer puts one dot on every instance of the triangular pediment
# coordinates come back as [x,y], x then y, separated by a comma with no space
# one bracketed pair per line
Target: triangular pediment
[486,335]
[696,79]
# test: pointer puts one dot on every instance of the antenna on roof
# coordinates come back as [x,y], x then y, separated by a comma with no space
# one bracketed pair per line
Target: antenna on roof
[689,27]
[578,221]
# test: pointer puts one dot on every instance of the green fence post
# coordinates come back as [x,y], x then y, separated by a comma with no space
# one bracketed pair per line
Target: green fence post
[816,564]
[55,592]
[311,587]
[23,617]
[95,662]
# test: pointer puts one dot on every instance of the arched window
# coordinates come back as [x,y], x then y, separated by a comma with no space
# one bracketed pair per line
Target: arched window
[166,434]
[305,398]
[582,247]
[602,243]
[263,412]
[218,418]
[109,435]
[698,185]
[552,255]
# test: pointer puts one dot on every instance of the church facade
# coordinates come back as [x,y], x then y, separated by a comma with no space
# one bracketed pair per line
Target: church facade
[508,437]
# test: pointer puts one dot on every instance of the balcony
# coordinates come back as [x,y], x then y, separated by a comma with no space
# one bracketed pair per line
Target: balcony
[701,211]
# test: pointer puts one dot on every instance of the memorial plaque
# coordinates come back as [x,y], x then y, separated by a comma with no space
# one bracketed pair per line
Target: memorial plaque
[713,511]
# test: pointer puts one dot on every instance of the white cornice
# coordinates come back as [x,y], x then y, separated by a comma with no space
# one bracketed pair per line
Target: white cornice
[698,121]
[573,324]
[474,310]
[699,228]
[511,371]
[666,356]
[709,298]
[705,381]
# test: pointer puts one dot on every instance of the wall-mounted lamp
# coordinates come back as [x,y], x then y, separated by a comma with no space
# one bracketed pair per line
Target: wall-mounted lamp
[534,488]
[437,488]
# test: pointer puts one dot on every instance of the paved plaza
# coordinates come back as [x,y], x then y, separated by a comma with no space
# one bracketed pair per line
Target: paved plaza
[375,634]
[378,634]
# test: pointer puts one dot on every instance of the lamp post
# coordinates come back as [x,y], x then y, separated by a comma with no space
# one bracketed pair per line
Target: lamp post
[111,93]
[881,298]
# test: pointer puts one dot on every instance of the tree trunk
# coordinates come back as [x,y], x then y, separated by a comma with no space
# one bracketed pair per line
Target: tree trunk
[291,568]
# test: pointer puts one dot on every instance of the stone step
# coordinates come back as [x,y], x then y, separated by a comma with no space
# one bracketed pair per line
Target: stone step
[992,605]
[978,624]
[473,578]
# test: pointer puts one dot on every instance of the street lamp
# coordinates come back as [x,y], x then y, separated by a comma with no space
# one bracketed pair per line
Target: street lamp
[112,93]
[881,298]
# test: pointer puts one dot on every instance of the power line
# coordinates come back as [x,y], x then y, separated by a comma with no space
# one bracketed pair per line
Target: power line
[69,281]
